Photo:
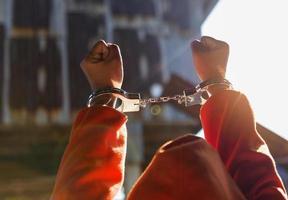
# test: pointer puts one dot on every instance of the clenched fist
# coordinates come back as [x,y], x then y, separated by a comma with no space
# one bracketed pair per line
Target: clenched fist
[103,66]
[210,57]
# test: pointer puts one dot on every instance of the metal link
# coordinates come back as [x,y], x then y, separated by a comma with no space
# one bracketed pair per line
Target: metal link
[132,102]
[178,98]
[190,97]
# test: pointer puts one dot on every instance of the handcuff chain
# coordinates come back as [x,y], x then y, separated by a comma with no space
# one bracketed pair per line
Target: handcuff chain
[179,98]
[132,102]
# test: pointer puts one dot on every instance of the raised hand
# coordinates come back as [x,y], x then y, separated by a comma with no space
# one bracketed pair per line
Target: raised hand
[103,66]
[210,57]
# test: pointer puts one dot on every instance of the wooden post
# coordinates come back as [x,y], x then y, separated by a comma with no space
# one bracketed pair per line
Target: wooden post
[109,21]
[59,25]
[159,16]
[6,69]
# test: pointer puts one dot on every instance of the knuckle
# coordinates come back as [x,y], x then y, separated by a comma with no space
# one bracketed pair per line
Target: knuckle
[114,47]
[97,45]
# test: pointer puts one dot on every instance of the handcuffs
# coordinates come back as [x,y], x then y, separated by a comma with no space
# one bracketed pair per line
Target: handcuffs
[132,102]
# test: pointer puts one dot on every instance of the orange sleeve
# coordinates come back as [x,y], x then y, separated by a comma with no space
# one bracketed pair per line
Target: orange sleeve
[230,127]
[92,166]
[185,168]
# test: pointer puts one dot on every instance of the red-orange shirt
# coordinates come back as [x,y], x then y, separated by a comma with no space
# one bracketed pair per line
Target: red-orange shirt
[233,162]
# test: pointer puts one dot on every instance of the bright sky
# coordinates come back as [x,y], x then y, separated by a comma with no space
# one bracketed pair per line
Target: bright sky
[257,32]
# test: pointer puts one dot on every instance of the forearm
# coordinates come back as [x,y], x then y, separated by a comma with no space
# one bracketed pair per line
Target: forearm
[229,127]
[93,163]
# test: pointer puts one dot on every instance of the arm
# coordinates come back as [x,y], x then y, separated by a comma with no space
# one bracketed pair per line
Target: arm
[93,163]
[230,127]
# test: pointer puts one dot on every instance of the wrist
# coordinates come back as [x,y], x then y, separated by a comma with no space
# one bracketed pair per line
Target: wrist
[215,85]
[214,89]
[105,100]
[99,99]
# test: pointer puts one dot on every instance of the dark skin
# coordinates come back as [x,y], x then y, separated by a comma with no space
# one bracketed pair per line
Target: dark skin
[103,65]
[210,57]
[103,68]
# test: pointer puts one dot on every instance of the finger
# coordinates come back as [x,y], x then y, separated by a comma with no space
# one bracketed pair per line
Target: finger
[197,46]
[114,52]
[99,52]
[209,42]
[212,43]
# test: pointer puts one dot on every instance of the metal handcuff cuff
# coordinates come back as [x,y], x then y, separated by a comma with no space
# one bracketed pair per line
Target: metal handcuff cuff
[132,102]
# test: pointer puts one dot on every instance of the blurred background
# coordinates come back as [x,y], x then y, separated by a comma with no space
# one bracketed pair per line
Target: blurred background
[42,87]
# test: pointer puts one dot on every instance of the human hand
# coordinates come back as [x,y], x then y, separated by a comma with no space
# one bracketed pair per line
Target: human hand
[210,57]
[103,66]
